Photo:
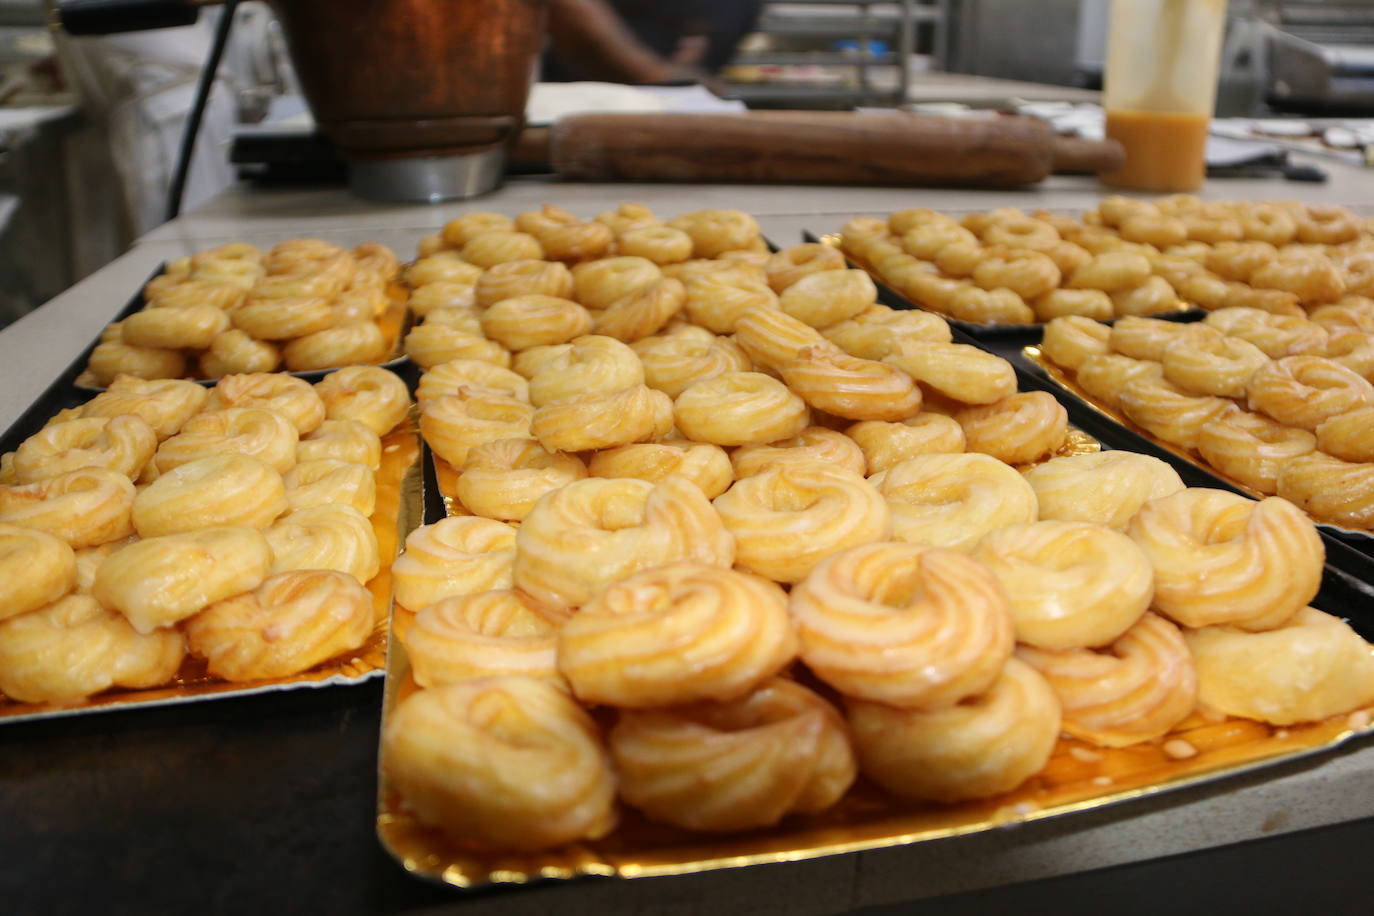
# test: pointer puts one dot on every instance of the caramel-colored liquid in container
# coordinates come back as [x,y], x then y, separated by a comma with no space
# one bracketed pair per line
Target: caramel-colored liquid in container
[1165,151]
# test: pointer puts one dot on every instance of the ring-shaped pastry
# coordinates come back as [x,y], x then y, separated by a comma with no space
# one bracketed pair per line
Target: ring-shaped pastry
[371,395]
[252,431]
[953,500]
[289,396]
[208,492]
[706,465]
[454,556]
[488,634]
[123,444]
[739,408]
[1019,429]
[1104,488]
[325,537]
[505,478]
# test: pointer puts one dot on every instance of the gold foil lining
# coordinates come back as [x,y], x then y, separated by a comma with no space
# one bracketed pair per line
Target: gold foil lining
[1069,383]
[398,510]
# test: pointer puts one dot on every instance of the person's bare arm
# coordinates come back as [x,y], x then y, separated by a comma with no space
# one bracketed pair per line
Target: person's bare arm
[589,36]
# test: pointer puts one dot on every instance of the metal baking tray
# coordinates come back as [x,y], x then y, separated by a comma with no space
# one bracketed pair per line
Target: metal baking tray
[398,511]
[1002,333]
[395,323]
[1079,777]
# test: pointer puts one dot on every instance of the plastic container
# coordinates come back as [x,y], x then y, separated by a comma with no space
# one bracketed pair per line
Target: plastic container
[1161,86]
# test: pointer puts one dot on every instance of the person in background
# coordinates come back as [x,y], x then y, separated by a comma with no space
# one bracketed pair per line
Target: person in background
[644,41]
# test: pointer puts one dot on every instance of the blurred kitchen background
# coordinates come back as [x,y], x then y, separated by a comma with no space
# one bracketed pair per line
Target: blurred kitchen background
[89,127]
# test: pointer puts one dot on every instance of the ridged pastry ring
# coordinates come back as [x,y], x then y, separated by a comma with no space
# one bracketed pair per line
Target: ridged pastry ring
[827,297]
[788,517]
[953,500]
[642,312]
[677,634]
[453,556]
[1104,488]
[289,396]
[1073,338]
[192,328]
[597,531]
[885,444]
[738,408]
[605,420]
[453,424]
[1306,391]
[112,358]
[447,378]
[1336,491]
[504,763]
[290,623]
[674,361]
[283,319]
[528,321]
[1167,411]
[325,537]
[717,300]
[1019,429]
[85,508]
[594,364]
[815,443]
[1134,690]
[982,747]
[903,625]
[706,465]
[960,371]
[368,394]
[35,567]
[771,337]
[331,482]
[736,765]
[1070,585]
[831,380]
[236,351]
[1252,448]
[122,444]
[252,431]
[789,265]
[1212,364]
[345,345]
[880,331]
[215,490]
[487,634]
[164,404]
[600,284]
[505,478]
[1105,377]
[522,278]
[347,440]
[1220,558]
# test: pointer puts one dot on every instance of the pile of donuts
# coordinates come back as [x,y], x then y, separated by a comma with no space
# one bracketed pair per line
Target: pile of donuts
[714,570]
[1126,257]
[1279,403]
[304,304]
[163,518]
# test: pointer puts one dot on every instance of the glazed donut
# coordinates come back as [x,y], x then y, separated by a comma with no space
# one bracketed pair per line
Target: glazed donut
[291,397]
[35,567]
[1105,377]
[591,533]
[789,265]
[283,319]
[347,440]
[531,321]
[714,232]
[325,537]
[209,492]
[831,380]
[1092,304]
[503,763]
[427,299]
[301,255]
[951,501]
[739,408]
[886,444]
[346,345]
[1267,223]
[123,444]
[1026,273]
[1327,224]
[657,243]
[642,312]
[113,358]
[430,345]
[466,318]
[371,395]
[1135,689]
[686,355]
[1212,230]
[290,623]
[1068,257]
[1305,391]
[1168,412]
[1252,449]
[577,424]
[982,747]
[717,300]
[903,221]
[1149,229]
[74,648]
[164,404]
[827,297]
[1103,488]
[85,507]
[1021,232]
[1349,436]
[771,337]
[330,481]
[1069,585]
[522,278]
[1213,363]
[962,372]
[1019,429]
[1069,340]
[903,625]
[503,479]
[1175,269]
[563,236]
[600,284]
[447,378]
[377,259]
[1351,312]
[1111,271]
[998,306]
[880,331]
[527,363]
[252,431]
[1147,338]
[235,351]
[1312,279]
[454,556]
[959,259]
[1353,349]
[157,582]
[487,249]
[735,765]
[1312,667]
[594,364]
[928,240]
[453,424]
[628,216]
[703,464]
[1152,297]
[194,327]
[488,634]
[791,515]
[1276,336]
[222,294]
[458,232]
[815,443]
[1260,562]
[676,634]
[1330,489]
[1239,260]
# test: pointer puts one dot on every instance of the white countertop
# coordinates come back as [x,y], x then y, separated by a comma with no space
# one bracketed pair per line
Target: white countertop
[1338,788]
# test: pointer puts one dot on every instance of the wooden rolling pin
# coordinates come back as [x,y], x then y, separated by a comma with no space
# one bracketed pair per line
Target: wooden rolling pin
[813,147]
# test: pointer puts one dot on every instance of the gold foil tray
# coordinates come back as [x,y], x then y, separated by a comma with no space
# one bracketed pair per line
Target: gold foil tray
[1066,380]
[398,511]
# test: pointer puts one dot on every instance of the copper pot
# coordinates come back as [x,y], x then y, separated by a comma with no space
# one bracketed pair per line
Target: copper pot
[408,88]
